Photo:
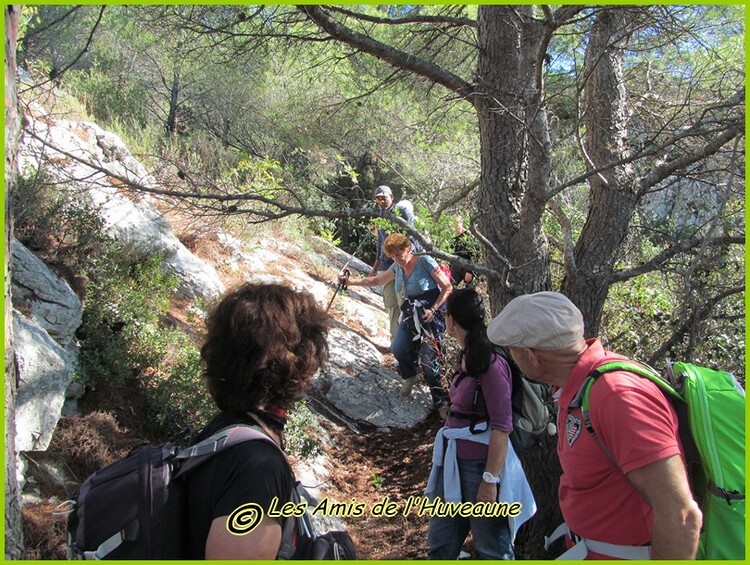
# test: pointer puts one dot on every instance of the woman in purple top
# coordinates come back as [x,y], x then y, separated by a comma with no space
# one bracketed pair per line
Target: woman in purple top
[480,466]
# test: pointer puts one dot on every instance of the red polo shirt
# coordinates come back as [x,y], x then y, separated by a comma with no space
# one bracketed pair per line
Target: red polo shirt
[639,426]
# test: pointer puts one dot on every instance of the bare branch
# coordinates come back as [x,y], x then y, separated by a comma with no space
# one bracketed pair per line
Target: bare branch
[664,170]
[389,54]
[659,174]
[696,318]
[567,229]
[411,19]
[456,198]
[680,247]
[233,204]
[56,74]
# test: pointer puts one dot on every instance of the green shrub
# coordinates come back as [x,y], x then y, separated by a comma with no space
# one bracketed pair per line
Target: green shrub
[107,97]
[299,441]
[124,340]
[55,222]
[173,386]
[122,309]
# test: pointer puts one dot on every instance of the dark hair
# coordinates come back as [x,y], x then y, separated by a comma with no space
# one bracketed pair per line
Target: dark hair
[466,308]
[263,345]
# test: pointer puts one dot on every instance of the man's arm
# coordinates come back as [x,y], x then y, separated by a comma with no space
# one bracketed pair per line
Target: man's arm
[677,518]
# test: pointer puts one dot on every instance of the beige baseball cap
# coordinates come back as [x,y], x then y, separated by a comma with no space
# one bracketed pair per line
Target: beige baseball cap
[543,320]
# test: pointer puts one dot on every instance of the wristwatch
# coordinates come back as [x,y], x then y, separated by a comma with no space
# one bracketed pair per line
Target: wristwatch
[488,477]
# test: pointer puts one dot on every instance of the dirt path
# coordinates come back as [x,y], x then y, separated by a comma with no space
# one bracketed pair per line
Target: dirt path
[374,467]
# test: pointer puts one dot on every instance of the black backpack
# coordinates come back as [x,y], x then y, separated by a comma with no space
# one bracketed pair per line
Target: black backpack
[134,509]
[530,404]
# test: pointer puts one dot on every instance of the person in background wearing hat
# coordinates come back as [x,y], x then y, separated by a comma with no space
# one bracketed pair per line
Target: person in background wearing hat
[632,501]
[391,300]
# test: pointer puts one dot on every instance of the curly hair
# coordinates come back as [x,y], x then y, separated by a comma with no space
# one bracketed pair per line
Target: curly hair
[396,242]
[263,345]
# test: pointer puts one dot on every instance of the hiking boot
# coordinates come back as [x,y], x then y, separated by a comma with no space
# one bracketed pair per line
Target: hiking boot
[406,386]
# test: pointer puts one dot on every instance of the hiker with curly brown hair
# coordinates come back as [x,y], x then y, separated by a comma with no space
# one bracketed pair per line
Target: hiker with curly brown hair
[263,345]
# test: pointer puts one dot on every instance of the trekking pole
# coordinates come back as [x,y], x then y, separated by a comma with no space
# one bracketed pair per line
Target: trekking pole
[342,284]
[344,273]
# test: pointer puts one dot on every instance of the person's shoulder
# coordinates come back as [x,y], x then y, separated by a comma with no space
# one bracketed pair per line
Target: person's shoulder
[430,260]
[499,366]
[624,387]
[224,420]
[254,457]
[405,205]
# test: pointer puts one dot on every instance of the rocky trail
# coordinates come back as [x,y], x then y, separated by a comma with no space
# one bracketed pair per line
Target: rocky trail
[377,444]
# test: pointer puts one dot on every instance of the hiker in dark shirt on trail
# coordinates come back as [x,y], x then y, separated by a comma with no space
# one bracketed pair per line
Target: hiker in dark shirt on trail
[264,344]
[391,299]
[624,492]
[463,246]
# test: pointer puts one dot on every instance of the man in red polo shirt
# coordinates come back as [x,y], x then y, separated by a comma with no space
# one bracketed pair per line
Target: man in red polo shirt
[624,493]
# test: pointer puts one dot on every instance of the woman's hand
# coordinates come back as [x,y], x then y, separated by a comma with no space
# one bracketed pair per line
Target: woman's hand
[429,315]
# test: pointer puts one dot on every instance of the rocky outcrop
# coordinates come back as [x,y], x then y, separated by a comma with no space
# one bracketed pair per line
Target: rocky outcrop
[359,388]
[90,162]
[46,315]
[45,298]
[45,370]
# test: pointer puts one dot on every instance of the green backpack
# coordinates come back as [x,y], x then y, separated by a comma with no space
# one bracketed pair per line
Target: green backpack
[710,407]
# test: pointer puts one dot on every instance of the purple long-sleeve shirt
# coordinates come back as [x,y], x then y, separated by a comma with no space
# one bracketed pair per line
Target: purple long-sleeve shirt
[496,389]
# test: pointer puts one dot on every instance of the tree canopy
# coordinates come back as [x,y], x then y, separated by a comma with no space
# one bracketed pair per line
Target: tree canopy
[595,150]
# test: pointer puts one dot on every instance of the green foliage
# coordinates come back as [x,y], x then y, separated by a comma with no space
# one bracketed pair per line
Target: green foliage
[327,231]
[173,383]
[259,176]
[377,481]
[299,441]
[53,222]
[107,97]
[124,340]
[124,302]
[638,316]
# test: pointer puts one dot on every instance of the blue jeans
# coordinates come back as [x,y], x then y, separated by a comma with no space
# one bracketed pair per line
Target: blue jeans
[411,354]
[446,536]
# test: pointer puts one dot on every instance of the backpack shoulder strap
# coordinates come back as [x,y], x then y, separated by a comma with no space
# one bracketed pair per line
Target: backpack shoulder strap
[197,454]
[233,435]
[582,399]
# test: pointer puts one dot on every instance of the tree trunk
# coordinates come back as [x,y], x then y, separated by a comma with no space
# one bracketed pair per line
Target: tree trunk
[173,95]
[13,524]
[515,165]
[509,203]
[613,192]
